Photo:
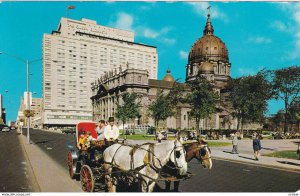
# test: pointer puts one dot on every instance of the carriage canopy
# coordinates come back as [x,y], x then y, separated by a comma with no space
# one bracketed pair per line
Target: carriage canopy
[88,127]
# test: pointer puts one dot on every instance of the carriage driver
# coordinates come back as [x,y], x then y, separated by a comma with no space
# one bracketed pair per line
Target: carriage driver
[111,131]
[100,130]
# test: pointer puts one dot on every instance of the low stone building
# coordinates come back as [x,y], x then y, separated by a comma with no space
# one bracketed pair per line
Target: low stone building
[108,90]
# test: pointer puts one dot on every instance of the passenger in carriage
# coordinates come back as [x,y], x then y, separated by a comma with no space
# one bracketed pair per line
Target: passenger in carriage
[111,131]
[100,130]
[82,142]
[90,138]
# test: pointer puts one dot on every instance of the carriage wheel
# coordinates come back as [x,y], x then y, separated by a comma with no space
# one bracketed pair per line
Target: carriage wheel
[87,179]
[71,166]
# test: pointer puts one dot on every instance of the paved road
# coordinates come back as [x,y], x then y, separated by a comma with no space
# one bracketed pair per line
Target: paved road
[225,176]
[54,144]
[15,173]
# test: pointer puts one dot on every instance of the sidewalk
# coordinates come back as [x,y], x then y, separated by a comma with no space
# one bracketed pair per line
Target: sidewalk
[268,146]
[49,175]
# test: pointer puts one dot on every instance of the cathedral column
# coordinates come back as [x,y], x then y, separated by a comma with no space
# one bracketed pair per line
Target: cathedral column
[217,121]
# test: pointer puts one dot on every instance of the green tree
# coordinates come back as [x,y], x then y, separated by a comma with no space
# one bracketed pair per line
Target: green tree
[294,111]
[175,95]
[286,86]
[161,108]
[278,118]
[129,109]
[202,99]
[249,96]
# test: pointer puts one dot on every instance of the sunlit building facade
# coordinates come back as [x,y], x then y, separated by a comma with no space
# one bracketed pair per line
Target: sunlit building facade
[75,55]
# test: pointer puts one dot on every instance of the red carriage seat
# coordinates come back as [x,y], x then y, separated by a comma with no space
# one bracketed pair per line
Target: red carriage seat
[87,127]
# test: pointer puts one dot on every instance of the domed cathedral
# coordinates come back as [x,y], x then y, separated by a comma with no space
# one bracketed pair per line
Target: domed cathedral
[209,57]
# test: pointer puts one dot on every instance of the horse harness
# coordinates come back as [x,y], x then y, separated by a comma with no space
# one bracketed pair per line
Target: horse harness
[201,152]
[149,159]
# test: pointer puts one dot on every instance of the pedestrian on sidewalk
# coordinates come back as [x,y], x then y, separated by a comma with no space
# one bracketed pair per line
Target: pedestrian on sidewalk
[256,147]
[235,143]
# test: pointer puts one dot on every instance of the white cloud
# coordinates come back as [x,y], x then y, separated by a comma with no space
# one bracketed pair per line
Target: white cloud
[200,8]
[169,41]
[124,21]
[259,40]
[152,34]
[293,11]
[183,54]
[280,26]
[149,33]
[165,30]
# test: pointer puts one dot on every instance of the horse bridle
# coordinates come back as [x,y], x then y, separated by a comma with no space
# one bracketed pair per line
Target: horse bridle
[201,147]
[174,150]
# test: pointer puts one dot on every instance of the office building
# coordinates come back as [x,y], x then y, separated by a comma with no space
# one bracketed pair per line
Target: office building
[36,106]
[74,56]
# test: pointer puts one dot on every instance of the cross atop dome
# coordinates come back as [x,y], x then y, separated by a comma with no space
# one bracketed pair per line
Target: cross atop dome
[208,30]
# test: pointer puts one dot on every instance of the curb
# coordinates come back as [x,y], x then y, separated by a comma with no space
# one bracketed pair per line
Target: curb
[35,183]
[259,164]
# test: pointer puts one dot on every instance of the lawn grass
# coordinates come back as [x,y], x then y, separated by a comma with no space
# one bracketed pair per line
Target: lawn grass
[146,137]
[218,144]
[284,154]
[137,137]
[213,144]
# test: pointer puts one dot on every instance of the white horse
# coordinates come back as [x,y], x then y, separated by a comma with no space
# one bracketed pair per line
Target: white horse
[147,160]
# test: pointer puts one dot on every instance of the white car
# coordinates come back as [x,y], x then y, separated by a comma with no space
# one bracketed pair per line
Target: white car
[5,129]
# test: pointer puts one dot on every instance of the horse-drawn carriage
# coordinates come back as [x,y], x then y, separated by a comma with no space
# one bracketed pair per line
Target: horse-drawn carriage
[102,166]
[85,162]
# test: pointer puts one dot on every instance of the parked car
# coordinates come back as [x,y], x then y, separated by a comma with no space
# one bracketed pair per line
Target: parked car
[68,131]
[5,129]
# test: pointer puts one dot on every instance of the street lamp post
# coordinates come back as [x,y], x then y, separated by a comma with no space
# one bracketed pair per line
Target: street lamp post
[27,88]
[28,102]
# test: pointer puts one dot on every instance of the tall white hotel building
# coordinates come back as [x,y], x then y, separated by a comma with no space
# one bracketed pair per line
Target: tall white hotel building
[76,55]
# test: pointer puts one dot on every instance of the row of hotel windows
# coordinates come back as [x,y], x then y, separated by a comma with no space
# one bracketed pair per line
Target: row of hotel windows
[72,106]
[101,49]
[113,57]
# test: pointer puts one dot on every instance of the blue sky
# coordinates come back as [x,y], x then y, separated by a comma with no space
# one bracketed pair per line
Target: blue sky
[257,34]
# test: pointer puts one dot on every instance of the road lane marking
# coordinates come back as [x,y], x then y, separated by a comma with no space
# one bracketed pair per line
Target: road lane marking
[247,170]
